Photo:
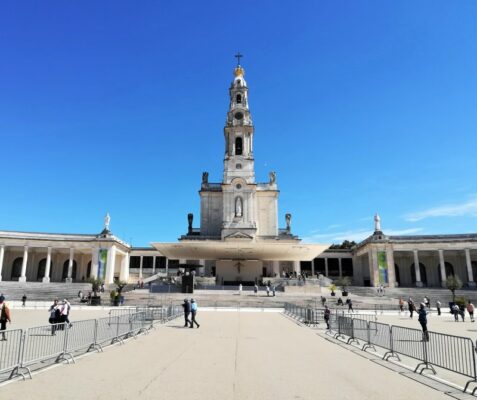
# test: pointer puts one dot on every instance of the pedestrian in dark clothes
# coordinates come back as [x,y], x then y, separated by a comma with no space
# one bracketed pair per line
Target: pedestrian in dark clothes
[187,309]
[423,321]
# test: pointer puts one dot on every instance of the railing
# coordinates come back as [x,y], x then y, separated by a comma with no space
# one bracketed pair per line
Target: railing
[453,353]
[24,349]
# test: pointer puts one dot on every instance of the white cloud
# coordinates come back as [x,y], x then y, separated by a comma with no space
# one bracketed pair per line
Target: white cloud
[357,235]
[468,208]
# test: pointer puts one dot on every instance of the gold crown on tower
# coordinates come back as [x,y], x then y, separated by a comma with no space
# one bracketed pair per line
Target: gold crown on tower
[239,71]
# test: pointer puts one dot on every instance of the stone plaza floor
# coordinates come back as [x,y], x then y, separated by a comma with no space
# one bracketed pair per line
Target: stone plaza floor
[234,355]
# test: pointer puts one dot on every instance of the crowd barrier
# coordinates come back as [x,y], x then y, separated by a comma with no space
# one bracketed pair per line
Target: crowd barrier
[453,353]
[22,349]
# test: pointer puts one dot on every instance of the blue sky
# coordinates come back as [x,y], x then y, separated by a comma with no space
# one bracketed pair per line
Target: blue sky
[359,107]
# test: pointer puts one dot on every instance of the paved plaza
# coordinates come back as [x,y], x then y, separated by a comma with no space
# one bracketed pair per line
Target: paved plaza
[247,355]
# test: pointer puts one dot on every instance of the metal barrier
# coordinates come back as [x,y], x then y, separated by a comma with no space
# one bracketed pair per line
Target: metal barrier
[11,350]
[453,353]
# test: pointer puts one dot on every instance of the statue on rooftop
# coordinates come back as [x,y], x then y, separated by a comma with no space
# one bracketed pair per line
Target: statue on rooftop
[107,220]
[377,223]
[205,178]
[288,221]
[273,177]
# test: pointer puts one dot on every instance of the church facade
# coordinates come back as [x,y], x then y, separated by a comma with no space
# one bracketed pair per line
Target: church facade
[238,238]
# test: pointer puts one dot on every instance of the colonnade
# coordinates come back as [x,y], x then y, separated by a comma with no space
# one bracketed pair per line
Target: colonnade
[113,251]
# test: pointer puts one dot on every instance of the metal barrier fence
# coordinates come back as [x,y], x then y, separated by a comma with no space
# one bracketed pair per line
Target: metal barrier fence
[23,349]
[453,353]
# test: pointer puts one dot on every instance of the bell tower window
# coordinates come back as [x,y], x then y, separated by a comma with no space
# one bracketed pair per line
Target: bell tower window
[239,98]
[238,146]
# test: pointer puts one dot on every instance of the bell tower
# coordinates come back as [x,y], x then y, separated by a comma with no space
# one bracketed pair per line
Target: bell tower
[238,132]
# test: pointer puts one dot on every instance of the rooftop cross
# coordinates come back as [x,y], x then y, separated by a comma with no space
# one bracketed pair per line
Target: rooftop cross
[238,56]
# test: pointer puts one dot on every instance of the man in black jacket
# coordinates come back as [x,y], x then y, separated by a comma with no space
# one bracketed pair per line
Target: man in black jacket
[187,309]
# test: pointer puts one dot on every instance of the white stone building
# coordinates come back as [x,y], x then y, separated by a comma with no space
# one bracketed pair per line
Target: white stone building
[239,239]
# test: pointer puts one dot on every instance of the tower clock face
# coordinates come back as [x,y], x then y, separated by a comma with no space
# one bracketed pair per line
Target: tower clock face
[238,115]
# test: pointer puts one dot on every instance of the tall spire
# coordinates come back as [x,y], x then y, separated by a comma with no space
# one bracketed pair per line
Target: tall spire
[238,131]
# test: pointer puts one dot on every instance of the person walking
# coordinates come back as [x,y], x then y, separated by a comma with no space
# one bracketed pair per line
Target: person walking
[323,301]
[350,305]
[401,305]
[273,291]
[423,321]
[268,291]
[255,289]
[5,317]
[326,316]
[438,307]
[240,289]
[65,312]
[470,310]
[455,311]
[193,307]
[462,311]
[411,307]
[187,310]
[24,299]
[54,316]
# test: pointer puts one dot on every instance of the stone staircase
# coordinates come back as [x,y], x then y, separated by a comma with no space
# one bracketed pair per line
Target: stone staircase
[417,294]
[38,291]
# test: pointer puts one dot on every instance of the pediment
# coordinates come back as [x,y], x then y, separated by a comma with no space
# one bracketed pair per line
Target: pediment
[238,235]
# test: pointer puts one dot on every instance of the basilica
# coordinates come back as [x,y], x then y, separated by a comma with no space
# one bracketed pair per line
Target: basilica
[238,239]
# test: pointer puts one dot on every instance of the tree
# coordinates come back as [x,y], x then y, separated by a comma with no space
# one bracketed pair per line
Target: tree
[453,283]
[344,246]
[343,282]
[96,284]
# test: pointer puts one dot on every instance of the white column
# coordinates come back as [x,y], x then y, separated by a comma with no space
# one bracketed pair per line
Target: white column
[340,267]
[326,266]
[276,268]
[417,269]
[69,278]
[153,265]
[167,266]
[2,254]
[24,265]
[373,266]
[391,267]
[94,262]
[468,263]
[296,267]
[46,277]
[443,267]
[312,268]
[140,267]
[110,265]
[202,267]
[124,273]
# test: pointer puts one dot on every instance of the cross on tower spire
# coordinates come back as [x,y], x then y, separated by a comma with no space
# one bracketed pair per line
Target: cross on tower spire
[238,56]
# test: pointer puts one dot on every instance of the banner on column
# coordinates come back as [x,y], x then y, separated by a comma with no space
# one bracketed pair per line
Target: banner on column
[382,267]
[102,261]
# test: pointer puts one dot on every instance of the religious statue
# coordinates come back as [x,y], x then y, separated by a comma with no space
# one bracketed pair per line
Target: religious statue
[288,221]
[238,207]
[190,219]
[205,178]
[273,177]
[377,223]
[107,220]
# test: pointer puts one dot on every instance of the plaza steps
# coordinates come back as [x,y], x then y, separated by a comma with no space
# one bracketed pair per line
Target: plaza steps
[417,294]
[39,291]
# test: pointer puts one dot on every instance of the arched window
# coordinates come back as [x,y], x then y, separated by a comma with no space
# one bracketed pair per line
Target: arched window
[449,270]
[239,98]
[65,270]
[17,268]
[42,269]
[422,270]
[238,146]
[397,274]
